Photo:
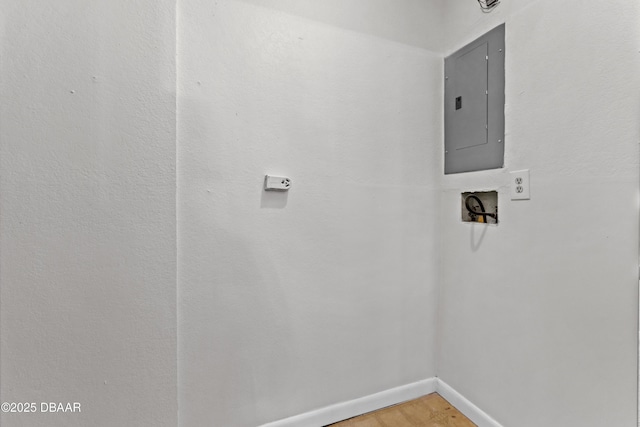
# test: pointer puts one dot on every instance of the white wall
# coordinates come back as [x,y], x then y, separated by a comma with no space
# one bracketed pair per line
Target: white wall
[87,229]
[290,302]
[413,22]
[539,314]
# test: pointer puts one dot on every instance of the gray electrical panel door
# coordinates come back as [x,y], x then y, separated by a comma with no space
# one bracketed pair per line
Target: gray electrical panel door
[474,105]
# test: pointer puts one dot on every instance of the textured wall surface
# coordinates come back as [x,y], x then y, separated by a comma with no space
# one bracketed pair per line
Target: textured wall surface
[291,302]
[87,191]
[288,302]
[412,22]
[539,314]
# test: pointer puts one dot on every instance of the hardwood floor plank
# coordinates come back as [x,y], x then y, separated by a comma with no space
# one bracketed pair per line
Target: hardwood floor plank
[391,417]
[363,421]
[427,411]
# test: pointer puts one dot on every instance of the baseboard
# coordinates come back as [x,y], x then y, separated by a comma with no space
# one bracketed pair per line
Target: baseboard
[353,408]
[471,411]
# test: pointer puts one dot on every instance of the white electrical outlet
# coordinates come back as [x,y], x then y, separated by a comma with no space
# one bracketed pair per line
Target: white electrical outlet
[276,183]
[520,188]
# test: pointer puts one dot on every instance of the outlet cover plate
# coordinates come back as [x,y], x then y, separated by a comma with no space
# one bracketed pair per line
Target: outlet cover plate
[276,183]
[520,185]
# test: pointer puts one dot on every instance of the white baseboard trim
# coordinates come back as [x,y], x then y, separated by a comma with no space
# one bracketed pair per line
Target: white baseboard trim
[471,411]
[353,408]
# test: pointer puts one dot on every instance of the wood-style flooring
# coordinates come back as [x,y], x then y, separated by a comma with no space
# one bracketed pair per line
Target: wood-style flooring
[426,411]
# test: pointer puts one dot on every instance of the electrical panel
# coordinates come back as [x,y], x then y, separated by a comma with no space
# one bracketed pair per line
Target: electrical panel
[474,105]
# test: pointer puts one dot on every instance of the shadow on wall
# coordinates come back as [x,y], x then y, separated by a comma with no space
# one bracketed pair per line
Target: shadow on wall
[387,19]
[476,241]
[273,199]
